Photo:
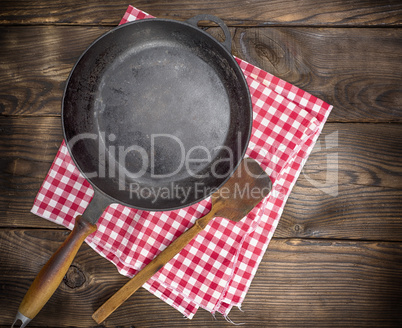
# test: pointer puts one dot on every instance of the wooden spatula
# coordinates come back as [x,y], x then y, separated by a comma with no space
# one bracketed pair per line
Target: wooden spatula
[234,200]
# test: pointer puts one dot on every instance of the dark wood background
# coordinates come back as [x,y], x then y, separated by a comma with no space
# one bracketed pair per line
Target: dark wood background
[336,257]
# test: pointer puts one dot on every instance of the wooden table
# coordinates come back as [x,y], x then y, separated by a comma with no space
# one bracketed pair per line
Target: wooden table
[336,257]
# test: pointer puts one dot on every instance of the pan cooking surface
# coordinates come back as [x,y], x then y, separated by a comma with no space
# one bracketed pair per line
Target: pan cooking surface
[156,106]
[156,98]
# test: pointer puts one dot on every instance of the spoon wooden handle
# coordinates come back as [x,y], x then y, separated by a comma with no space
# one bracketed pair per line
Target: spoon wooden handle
[153,267]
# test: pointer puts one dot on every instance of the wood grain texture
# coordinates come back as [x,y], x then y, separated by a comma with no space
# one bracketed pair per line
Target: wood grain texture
[336,256]
[356,70]
[300,283]
[351,185]
[53,272]
[341,66]
[234,12]
[35,63]
[28,147]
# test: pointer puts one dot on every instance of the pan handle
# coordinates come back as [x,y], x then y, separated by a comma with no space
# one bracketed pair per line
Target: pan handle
[51,275]
[206,17]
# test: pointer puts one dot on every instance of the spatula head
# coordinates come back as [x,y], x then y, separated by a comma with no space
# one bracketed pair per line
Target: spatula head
[248,185]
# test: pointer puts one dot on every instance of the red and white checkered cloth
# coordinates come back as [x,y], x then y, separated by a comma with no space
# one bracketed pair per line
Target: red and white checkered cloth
[216,269]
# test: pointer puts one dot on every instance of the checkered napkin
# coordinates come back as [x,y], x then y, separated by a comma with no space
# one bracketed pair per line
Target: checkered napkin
[216,269]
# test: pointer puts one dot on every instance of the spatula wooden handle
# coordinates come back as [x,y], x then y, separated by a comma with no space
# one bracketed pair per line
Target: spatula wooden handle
[153,267]
[51,275]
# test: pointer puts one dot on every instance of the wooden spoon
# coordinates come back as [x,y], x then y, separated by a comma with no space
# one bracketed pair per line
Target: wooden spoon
[234,200]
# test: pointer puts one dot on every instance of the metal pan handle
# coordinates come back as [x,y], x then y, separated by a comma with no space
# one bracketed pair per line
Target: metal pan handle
[206,17]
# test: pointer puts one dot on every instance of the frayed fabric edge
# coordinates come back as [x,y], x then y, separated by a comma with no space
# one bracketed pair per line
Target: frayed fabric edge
[226,316]
[231,321]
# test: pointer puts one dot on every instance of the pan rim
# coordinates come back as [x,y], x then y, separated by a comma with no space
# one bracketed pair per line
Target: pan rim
[234,64]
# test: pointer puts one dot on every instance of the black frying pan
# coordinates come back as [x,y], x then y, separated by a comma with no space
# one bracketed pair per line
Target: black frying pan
[156,115]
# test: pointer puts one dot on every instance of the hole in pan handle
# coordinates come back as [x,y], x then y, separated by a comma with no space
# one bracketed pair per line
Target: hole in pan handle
[227,43]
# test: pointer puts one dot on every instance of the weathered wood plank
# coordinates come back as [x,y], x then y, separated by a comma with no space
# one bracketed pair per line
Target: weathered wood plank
[351,186]
[234,12]
[28,147]
[300,283]
[344,67]
[341,66]
[35,63]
